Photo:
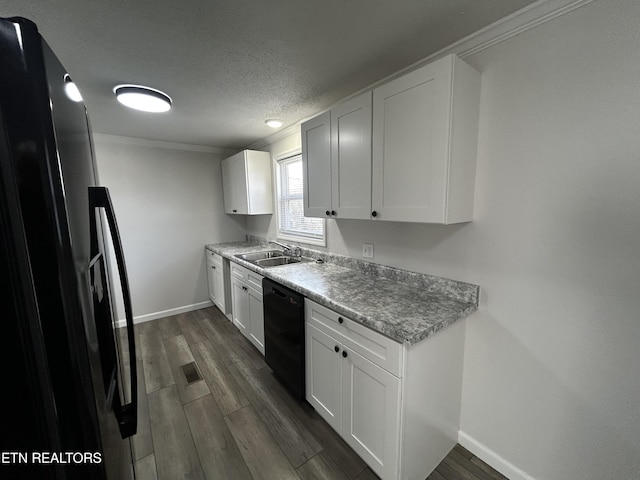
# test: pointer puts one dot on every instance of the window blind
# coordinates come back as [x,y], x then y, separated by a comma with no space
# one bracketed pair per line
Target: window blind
[291,202]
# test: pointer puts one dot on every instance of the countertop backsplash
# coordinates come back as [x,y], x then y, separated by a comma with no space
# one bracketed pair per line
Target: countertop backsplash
[465,292]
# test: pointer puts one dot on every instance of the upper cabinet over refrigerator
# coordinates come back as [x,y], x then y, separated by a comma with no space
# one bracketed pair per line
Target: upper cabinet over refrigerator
[405,151]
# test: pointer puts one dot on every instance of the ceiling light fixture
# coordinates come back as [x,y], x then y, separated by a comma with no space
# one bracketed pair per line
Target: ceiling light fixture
[143,98]
[273,123]
[71,89]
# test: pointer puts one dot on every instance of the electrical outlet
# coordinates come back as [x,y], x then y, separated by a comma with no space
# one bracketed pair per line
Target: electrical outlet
[367,250]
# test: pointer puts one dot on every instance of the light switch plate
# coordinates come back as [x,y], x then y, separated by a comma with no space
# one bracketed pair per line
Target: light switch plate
[367,250]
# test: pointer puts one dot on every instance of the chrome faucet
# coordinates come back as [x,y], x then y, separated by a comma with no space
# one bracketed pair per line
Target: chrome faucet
[288,249]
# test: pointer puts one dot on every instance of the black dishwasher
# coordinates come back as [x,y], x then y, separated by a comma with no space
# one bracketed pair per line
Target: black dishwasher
[284,335]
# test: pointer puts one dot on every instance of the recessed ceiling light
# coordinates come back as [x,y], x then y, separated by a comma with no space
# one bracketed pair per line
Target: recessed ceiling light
[143,98]
[273,123]
[71,89]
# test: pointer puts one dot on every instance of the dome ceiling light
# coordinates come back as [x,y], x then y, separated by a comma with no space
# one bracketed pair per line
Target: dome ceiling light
[143,98]
[273,123]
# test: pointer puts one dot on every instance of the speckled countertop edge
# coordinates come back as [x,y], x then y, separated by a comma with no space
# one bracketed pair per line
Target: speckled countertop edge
[405,313]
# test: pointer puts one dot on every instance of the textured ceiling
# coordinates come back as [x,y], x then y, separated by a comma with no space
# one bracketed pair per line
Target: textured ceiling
[231,64]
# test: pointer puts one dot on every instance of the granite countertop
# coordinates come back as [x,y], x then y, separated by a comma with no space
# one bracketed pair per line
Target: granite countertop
[403,312]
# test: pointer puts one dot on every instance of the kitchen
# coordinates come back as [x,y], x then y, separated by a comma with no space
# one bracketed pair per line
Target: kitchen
[549,388]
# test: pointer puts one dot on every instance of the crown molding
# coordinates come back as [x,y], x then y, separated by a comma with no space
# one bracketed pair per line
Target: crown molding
[276,137]
[143,142]
[525,19]
[518,22]
[502,30]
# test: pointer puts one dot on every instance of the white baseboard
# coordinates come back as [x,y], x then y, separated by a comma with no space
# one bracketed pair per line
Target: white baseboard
[165,313]
[491,458]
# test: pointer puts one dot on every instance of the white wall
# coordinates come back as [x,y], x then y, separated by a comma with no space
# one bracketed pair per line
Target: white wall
[168,202]
[265,226]
[551,386]
[551,362]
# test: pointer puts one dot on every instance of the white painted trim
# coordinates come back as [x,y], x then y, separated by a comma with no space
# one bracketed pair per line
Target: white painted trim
[319,242]
[525,19]
[502,30]
[143,142]
[290,153]
[264,143]
[305,240]
[165,313]
[491,458]
[518,22]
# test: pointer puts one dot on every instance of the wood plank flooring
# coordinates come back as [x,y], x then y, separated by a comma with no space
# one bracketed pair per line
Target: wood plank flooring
[237,422]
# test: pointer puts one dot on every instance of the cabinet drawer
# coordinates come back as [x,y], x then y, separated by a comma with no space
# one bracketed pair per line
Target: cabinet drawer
[254,280]
[373,346]
[239,272]
[214,258]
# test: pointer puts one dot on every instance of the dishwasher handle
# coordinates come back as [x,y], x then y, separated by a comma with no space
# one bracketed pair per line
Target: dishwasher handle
[278,292]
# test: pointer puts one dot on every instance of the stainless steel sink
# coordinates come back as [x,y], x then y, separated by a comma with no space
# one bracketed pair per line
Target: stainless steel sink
[253,256]
[271,258]
[274,262]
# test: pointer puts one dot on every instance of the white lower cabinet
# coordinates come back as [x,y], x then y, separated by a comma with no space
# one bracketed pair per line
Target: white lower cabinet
[324,375]
[397,406]
[211,277]
[256,319]
[240,305]
[358,398]
[218,280]
[371,413]
[246,299]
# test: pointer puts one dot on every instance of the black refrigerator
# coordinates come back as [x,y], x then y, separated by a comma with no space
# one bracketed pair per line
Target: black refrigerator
[69,401]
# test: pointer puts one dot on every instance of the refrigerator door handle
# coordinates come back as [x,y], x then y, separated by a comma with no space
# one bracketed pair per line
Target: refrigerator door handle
[127,414]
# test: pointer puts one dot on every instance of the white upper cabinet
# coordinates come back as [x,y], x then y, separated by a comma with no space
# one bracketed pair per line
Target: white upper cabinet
[351,158]
[425,133]
[336,156]
[405,151]
[246,183]
[316,166]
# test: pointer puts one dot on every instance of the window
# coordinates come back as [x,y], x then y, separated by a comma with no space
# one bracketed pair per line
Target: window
[292,224]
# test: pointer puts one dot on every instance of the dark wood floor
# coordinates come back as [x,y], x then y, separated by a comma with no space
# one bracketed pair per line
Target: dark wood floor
[238,422]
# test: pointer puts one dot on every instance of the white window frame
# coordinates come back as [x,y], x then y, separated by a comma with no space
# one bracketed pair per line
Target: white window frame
[287,236]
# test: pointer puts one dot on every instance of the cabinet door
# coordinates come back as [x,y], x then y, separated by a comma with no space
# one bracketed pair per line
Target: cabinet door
[351,158]
[256,319]
[234,184]
[226,185]
[316,165]
[219,288]
[411,121]
[259,193]
[371,413]
[324,375]
[240,305]
[212,281]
